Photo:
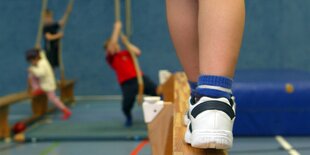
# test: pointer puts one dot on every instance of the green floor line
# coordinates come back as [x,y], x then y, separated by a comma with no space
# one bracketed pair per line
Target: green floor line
[49,149]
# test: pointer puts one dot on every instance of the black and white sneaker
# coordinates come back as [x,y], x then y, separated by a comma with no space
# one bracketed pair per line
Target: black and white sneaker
[191,103]
[211,123]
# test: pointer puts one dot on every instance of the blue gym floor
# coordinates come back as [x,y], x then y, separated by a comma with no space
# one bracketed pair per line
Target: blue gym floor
[102,119]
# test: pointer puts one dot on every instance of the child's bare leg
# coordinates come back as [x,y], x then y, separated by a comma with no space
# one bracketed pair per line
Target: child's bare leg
[182,18]
[53,98]
[183,24]
[59,104]
[221,24]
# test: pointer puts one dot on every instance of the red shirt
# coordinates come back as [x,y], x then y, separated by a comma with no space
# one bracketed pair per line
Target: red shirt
[123,65]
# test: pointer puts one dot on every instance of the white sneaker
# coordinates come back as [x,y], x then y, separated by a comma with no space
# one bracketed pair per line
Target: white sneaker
[187,121]
[211,123]
[188,134]
[186,118]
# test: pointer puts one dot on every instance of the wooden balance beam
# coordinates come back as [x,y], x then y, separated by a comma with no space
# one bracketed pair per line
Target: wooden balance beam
[5,103]
[39,105]
[165,120]
[67,91]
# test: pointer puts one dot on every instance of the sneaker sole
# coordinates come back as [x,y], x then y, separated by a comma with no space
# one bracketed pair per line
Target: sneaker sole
[212,139]
[186,120]
[188,135]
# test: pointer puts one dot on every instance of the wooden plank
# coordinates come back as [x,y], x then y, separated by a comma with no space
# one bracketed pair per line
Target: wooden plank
[4,123]
[181,95]
[13,98]
[159,130]
[39,105]
[168,89]
[67,91]
[39,108]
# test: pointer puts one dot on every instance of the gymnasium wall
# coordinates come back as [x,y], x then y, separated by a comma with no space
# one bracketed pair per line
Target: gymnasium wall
[276,36]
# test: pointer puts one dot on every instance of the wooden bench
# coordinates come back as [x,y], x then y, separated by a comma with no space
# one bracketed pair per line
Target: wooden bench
[5,103]
[166,130]
[67,91]
[39,105]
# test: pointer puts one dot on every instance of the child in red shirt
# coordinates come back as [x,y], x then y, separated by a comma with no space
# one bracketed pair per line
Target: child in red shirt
[122,63]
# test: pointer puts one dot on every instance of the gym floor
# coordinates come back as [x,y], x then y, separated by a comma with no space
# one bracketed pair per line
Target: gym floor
[96,128]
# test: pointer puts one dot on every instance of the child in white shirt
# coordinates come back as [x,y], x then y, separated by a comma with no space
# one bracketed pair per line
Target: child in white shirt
[42,79]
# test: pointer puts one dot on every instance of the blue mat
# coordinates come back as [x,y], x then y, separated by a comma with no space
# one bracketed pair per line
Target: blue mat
[265,107]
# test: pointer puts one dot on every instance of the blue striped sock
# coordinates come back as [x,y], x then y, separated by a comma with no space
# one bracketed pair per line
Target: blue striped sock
[214,86]
[193,86]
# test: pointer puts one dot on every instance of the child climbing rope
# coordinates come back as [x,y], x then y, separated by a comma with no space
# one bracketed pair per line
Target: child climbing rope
[121,62]
[42,79]
[52,35]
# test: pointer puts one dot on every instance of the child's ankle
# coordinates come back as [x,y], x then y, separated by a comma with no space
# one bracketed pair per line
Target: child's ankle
[193,86]
[214,86]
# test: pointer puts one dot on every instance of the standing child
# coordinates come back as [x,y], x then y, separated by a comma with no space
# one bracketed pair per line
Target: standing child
[42,79]
[122,63]
[52,35]
[207,35]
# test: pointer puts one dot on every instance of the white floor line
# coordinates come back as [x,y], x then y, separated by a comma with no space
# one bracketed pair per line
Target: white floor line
[286,145]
